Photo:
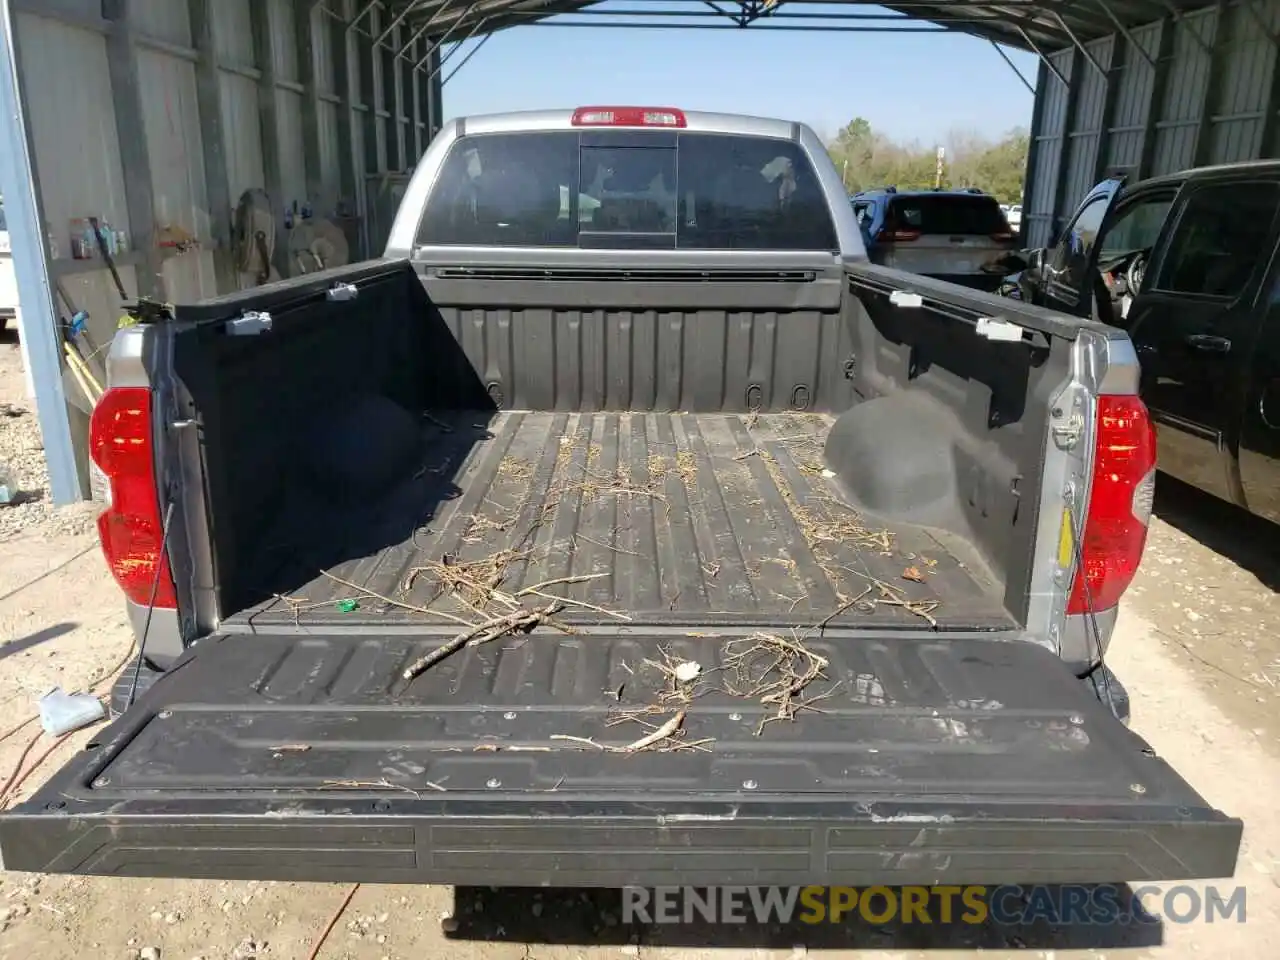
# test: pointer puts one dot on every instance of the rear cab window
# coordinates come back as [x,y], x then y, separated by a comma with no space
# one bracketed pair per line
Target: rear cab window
[628,189]
[948,213]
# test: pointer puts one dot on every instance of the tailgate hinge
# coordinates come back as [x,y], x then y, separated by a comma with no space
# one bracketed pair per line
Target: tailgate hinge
[249,324]
[1066,419]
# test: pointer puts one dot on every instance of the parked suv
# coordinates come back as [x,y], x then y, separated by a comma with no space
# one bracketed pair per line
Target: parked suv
[954,235]
[1186,263]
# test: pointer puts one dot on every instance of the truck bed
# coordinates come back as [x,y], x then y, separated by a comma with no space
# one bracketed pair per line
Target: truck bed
[642,518]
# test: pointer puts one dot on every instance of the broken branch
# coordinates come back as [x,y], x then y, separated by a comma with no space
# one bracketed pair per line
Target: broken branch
[517,621]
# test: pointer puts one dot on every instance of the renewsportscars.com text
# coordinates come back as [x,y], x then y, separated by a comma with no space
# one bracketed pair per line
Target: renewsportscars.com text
[1094,904]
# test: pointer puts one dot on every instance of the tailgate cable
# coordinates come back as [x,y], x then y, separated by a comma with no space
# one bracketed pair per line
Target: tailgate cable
[151,605]
[1091,632]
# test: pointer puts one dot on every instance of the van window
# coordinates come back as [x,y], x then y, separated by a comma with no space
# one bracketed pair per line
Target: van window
[1223,233]
[1071,258]
[693,191]
[1136,226]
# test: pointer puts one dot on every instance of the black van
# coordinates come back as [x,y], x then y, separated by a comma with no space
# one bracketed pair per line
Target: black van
[1186,264]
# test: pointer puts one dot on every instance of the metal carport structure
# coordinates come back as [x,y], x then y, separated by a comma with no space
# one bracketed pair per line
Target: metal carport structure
[157,114]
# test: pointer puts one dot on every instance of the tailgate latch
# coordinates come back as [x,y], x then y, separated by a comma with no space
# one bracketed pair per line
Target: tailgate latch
[249,324]
[341,292]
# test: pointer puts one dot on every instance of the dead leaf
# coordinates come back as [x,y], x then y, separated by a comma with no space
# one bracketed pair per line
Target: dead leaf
[913,574]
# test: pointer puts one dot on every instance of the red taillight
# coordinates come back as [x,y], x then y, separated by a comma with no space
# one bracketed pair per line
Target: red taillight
[628,117]
[131,530]
[899,235]
[1115,526]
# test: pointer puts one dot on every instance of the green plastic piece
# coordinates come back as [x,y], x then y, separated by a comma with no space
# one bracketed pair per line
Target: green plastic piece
[346,606]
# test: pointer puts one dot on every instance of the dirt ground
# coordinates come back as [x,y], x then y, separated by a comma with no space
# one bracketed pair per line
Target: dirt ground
[1198,646]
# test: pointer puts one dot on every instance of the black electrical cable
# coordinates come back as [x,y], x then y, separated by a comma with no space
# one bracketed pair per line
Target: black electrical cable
[151,605]
[1092,629]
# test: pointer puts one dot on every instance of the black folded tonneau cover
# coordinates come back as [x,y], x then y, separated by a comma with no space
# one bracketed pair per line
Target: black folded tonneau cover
[306,757]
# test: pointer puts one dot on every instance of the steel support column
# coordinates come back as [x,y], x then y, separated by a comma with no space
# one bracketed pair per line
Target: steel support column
[340,46]
[264,57]
[41,339]
[131,133]
[1212,84]
[1121,58]
[435,96]
[1033,159]
[209,107]
[394,99]
[1064,149]
[1155,101]
[1271,118]
[304,25]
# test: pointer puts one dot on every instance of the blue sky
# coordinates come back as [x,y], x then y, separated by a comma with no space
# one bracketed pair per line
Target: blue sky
[912,86]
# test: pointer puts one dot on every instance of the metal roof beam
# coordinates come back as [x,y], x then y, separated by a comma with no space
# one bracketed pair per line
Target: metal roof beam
[361,14]
[1125,32]
[498,11]
[1049,24]
[1178,14]
[427,24]
[1084,51]
[1071,10]
[779,28]
[1006,19]
[445,39]
[474,50]
[1013,66]
[1049,64]
[1261,21]
[397,20]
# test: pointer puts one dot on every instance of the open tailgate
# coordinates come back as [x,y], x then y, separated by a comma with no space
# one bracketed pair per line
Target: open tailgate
[307,757]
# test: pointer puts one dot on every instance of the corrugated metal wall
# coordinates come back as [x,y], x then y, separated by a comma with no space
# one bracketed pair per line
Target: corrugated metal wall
[157,115]
[1178,92]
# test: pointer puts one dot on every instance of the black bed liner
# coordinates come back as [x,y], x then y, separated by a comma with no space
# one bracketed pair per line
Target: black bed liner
[679,519]
[309,758]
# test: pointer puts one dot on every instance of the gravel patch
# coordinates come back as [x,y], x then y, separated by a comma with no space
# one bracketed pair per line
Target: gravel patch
[23,466]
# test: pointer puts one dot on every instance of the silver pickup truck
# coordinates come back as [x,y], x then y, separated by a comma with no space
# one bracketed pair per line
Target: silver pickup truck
[623,524]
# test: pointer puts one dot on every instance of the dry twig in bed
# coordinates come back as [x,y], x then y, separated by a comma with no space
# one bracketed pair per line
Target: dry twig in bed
[383,784]
[775,671]
[518,621]
[891,596]
[474,582]
[653,739]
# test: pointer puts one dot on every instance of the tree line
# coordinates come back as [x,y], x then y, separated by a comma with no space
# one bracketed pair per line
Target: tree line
[868,159]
